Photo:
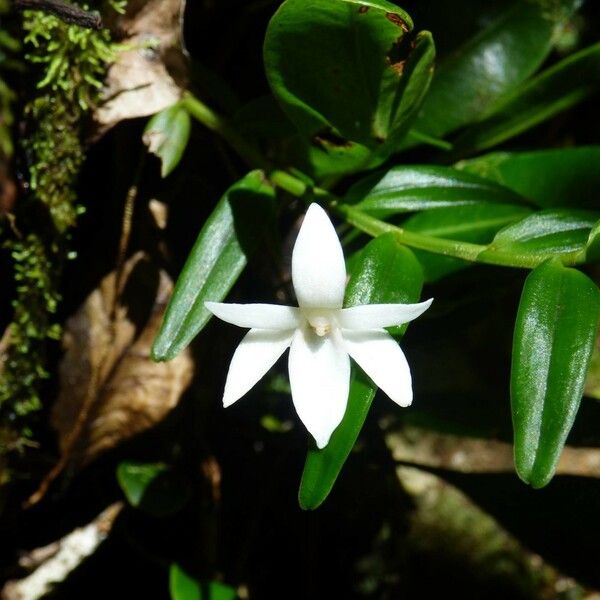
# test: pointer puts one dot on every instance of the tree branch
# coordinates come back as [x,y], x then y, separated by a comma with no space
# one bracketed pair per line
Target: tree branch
[69,13]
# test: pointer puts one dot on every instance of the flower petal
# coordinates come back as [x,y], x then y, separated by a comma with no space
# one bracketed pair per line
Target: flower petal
[259,316]
[377,316]
[381,358]
[256,354]
[318,269]
[320,381]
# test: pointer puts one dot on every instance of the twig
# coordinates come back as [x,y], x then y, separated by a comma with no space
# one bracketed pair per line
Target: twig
[429,449]
[69,13]
[56,561]
[126,225]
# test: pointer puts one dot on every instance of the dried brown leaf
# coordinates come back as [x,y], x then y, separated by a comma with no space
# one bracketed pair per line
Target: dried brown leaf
[110,389]
[150,72]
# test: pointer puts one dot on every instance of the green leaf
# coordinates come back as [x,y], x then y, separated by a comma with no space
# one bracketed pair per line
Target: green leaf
[153,487]
[554,90]
[407,98]
[551,231]
[184,587]
[414,188]
[561,176]
[553,342]
[475,223]
[348,73]
[490,64]
[167,134]
[384,272]
[263,120]
[217,259]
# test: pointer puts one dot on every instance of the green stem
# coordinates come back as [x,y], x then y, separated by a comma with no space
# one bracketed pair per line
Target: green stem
[362,221]
[456,249]
[250,153]
[296,187]
[211,120]
[419,136]
[289,183]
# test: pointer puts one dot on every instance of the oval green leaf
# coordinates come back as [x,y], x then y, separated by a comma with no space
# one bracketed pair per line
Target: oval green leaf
[167,134]
[554,90]
[264,121]
[184,587]
[495,60]
[154,488]
[348,72]
[557,177]
[423,187]
[384,271]
[545,233]
[218,257]
[554,337]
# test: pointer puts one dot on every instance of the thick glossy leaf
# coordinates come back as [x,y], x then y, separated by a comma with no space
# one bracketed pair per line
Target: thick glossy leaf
[549,93]
[167,134]
[406,99]
[551,231]
[184,587]
[217,259]
[264,121]
[415,188]
[499,57]
[366,76]
[557,177]
[475,223]
[450,34]
[553,342]
[153,487]
[383,272]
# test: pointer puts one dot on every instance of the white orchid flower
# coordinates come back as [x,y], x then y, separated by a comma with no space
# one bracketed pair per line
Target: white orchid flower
[321,335]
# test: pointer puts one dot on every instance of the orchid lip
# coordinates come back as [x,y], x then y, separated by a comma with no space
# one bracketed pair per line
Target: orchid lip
[321,320]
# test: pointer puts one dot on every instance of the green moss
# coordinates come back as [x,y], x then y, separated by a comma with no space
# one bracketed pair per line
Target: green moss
[73,62]
[70,63]
[35,304]
[9,46]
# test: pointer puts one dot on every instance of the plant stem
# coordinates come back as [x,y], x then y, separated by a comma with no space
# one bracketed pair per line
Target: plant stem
[296,187]
[210,119]
[362,221]
[419,136]
[289,183]
[248,152]
[456,249]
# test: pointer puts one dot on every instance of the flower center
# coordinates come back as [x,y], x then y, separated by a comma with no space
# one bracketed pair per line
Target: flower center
[321,326]
[321,322]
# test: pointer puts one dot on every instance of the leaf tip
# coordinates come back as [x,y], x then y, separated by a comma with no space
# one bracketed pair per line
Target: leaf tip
[307,502]
[160,353]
